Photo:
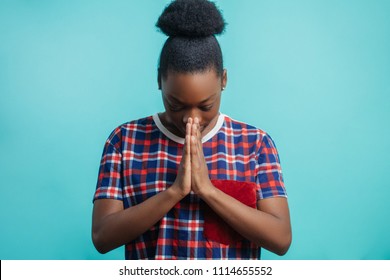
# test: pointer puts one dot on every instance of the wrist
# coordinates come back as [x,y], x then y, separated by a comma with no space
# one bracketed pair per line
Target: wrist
[207,191]
[176,192]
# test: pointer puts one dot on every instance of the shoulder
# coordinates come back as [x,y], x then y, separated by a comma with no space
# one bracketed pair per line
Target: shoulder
[129,130]
[253,134]
[239,127]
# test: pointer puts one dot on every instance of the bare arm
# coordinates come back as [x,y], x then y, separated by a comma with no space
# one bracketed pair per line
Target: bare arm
[112,226]
[268,225]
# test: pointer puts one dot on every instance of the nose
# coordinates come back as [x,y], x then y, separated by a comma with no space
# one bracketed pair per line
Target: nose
[191,114]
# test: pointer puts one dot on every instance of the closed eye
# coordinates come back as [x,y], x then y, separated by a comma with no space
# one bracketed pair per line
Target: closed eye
[206,108]
[174,107]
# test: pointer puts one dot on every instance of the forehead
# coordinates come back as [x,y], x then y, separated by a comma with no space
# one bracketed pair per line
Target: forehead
[191,87]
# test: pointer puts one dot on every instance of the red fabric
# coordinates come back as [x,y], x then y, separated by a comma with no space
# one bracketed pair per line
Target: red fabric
[215,228]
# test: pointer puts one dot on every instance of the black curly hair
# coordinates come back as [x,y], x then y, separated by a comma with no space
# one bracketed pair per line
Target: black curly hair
[191,47]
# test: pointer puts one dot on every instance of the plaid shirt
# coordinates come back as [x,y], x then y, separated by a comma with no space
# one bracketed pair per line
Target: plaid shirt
[141,158]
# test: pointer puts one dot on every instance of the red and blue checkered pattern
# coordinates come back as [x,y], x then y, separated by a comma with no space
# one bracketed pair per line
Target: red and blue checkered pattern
[139,161]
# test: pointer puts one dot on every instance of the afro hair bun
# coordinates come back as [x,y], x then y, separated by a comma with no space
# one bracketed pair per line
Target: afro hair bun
[191,18]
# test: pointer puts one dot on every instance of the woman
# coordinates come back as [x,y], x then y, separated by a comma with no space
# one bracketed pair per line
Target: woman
[190,183]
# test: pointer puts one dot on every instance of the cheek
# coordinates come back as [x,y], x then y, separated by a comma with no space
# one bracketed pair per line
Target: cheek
[174,117]
[210,116]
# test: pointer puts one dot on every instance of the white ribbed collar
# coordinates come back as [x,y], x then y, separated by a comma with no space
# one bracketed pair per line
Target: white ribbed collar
[177,139]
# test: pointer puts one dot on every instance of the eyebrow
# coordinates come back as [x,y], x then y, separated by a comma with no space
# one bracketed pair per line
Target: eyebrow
[202,102]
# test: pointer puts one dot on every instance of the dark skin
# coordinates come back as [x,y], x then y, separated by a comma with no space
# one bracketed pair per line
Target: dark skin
[192,102]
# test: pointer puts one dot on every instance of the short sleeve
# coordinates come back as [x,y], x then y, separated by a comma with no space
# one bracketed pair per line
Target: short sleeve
[109,184]
[269,173]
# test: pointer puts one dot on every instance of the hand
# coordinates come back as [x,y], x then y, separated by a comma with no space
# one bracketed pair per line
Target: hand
[182,184]
[200,181]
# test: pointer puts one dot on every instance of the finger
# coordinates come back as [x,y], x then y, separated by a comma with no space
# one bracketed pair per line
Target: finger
[198,133]
[195,161]
[186,159]
[199,151]
[189,127]
[187,146]
[194,127]
[195,132]
[193,145]
[187,141]
[188,136]
[196,140]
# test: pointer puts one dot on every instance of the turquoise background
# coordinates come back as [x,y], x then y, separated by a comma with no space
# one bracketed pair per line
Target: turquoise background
[313,74]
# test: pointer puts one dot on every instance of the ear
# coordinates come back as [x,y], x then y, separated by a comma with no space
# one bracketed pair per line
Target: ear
[159,78]
[224,79]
